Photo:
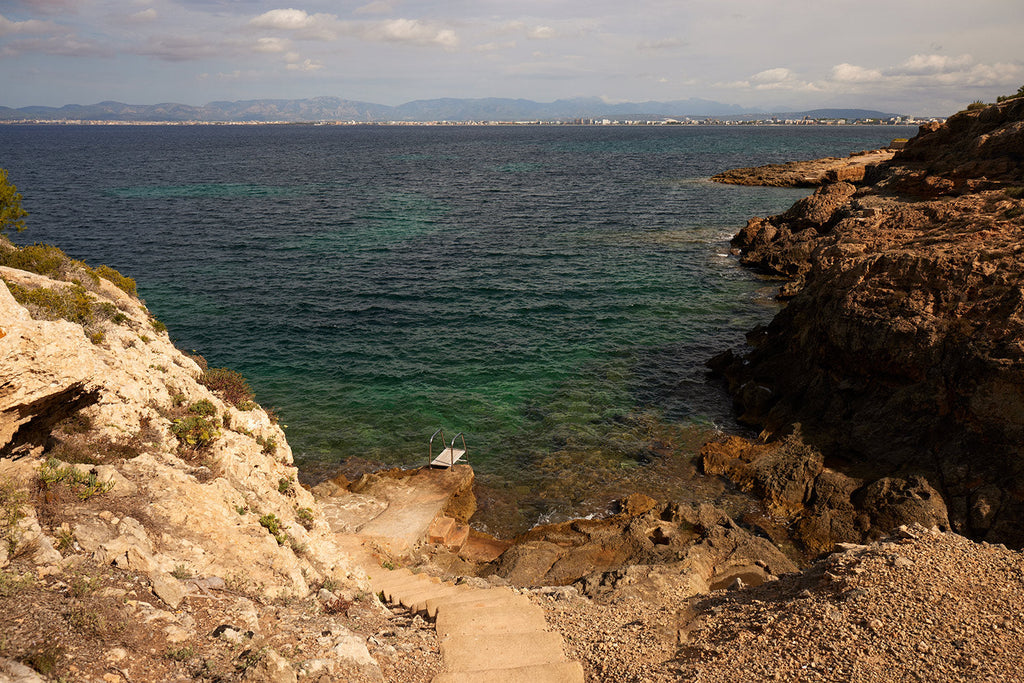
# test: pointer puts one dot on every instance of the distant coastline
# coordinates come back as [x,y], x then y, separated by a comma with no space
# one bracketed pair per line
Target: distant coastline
[588,122]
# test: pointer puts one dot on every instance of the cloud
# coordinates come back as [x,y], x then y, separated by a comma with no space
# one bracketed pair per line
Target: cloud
[376,7]
[925,65]
[541,33]
[771,76]
[851,73]
[143,17]
[285,19]
[662,44]
[411,31]
[305,65]
[22,28]
[271,45]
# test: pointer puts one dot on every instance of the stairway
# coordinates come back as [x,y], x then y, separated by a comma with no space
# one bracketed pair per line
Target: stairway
[486,635]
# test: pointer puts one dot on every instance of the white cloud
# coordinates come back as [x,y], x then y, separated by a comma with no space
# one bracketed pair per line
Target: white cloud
[541,33]
[926,65]
[305,65]
[662,44]
[772,76]
[271,45]
[29,27]
[851,73]
[411,31]
[284,19]
[494,46]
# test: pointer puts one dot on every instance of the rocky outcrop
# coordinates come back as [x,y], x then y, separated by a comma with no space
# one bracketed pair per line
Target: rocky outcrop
[813,173]
[816,505]
[902,348]
[698,542]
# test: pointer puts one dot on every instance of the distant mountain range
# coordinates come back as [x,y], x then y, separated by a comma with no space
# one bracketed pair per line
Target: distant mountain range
[445,109]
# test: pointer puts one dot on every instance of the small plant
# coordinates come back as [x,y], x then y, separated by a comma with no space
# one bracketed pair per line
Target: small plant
[97,338]
[305,517]
[146,340]
[285,484]
[12,511]
[271,523]
[203,407]
[44,660]
[182,573]
[242,509]
[157,325]
[181,654]
[389,565]
[194,432]
[976,105]
[84,485]
[269,445]
[12,584]
[298,547]
[1014,192]
[65,539]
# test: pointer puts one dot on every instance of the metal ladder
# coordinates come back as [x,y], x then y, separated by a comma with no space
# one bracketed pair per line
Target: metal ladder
[449,455]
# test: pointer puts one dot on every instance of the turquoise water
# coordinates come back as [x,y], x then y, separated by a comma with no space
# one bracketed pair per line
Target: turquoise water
[552,292]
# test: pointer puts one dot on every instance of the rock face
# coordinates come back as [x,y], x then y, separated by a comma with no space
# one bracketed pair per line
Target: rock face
[115,408]
[697,542]
[813,173]
[902,348]
[818,505]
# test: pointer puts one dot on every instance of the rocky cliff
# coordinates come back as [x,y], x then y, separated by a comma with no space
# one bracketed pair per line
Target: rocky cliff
[901,350]
[152,524]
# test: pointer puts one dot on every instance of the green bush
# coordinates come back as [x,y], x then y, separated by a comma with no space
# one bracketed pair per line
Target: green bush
[68,303]
[975,105]
[203,407]
[271,523]
[123,282]
[11,213]
[85,486]
[229,385]
[194,431]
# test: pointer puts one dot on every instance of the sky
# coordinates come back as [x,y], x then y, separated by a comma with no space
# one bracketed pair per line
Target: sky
[904,56]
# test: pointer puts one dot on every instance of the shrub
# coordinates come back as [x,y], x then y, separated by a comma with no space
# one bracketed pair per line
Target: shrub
[305,517]
[284,485]
[229,385]
[203,407]
[11,213]
[975,105]
[85,486]
[271,523]
[194,431]
[122,282]
[12,510]
[68,303]
[269,444]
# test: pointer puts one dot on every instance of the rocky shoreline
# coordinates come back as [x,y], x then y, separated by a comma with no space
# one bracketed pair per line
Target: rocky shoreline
[155,527]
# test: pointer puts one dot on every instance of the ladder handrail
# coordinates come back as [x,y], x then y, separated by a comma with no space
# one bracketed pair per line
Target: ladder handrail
[452,448]
[430,445]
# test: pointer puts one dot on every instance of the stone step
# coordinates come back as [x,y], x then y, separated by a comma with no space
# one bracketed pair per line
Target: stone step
[417,602]
[480,599]
[395,592]
[457,538]
[554,672]
[440,529]
[507,618]
[501,651]
[482,548]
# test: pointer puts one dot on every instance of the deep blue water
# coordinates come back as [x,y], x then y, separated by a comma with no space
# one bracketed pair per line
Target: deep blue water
[534,287]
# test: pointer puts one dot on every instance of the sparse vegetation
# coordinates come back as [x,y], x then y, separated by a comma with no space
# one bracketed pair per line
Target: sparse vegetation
[230,385]
[194,432]
[271,523]
[11,213]
[12,511]
[975,105]
[123,282]
[285,484]
[269,444]
[181,654]
[305,517]
[1019,93]
[83,485]
[203,407]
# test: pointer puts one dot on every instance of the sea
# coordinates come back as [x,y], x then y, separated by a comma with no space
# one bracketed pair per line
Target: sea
[549,293]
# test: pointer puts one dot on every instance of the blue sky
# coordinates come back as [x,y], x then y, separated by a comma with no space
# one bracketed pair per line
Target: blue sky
[910,56]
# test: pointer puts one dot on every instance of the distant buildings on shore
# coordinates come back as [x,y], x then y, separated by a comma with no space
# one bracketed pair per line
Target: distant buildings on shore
[685,121]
